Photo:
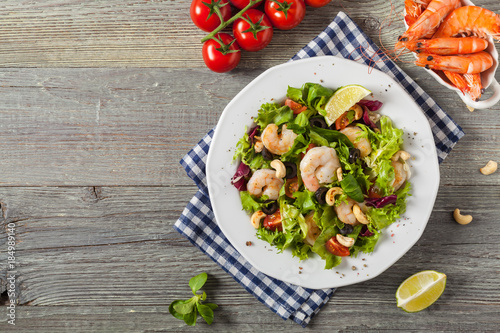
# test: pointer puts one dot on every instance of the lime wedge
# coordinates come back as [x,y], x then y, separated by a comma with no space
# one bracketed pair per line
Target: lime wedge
[420,290]
[342,99]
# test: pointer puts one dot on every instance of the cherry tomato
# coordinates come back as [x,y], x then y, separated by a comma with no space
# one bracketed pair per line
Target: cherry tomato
[203,15]
[317,3]
[296,107]
[273,222]
[291,186]
[374,192]
[285,14]
[337,249]
[240,4]
[222,53]
[253,30]
[342,121]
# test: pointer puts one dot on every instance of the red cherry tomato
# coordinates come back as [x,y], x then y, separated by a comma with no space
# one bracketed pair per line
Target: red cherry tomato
[337,249]
[342,121]
[222,53]
[285,14]
[374,192]
[296,107]
[317,3]
[202,16]
[253,30]
[240,4]
[291,186]
[273,222]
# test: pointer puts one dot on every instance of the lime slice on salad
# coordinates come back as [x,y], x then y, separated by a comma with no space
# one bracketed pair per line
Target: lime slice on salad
[420,290]
[342,99]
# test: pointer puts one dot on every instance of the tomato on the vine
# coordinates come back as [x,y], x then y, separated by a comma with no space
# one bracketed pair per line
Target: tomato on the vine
[334,247]
[285,14]
[204,15]
[221,53]
[240,4]
[317,3]
[253,30]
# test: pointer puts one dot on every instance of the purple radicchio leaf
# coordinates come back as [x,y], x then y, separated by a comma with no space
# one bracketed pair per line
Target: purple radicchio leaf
[381,202]
[365,232]
[371,105]
[366,118]
[239,181]
[253,132]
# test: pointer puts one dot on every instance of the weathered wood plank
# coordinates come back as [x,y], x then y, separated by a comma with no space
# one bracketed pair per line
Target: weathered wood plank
[119,248]
[132,126]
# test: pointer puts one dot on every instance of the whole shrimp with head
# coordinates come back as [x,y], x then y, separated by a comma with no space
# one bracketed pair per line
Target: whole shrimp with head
[265,182]
[277,143]
[319,166]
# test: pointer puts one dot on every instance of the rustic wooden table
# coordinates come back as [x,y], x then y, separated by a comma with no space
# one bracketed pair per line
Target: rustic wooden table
[99,100]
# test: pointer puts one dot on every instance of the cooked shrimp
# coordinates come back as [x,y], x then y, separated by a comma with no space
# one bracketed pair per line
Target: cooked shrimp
[265,182]
[313,230]
[401,174]
[467,83]
[353,133]
[447,45]
[470,20]
[413,9]
[277,143]
[318,166]
[427,23]
[344,212]
[464,64]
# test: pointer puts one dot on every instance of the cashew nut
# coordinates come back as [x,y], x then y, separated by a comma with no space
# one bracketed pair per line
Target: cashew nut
[401,154]
[339,174]
[461,219]
[489,168]
[330,195]
[344,240]
[258,146]
[358,111]
[360,216]
[279,167]
[257,218]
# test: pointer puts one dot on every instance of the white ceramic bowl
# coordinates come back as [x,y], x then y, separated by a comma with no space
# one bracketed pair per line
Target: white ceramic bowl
[487,77]
[331,72]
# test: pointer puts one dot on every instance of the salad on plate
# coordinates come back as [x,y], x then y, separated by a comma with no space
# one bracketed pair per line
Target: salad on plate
[322,172]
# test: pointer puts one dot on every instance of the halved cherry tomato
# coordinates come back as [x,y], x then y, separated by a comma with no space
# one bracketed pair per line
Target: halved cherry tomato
[374,192]
[296,107]
[291,186]
[337,249]
[342,121]
[273,222]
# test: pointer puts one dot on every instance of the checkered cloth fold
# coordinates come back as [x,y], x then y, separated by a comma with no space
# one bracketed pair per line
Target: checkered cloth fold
[197,222]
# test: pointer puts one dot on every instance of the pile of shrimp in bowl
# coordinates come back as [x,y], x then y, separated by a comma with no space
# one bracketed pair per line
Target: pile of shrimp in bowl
[454,39]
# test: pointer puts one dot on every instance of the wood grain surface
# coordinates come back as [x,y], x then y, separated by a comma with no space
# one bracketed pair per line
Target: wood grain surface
[99,100]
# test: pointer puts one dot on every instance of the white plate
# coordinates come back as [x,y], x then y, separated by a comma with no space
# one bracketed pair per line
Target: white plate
[396,239]
[487,77]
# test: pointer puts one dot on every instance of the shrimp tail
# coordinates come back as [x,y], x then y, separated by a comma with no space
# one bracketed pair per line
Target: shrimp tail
[447,45]
[464,64]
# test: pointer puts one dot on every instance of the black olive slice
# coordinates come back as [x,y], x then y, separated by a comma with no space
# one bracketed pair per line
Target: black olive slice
[270,208]
[320,195]
[291,170]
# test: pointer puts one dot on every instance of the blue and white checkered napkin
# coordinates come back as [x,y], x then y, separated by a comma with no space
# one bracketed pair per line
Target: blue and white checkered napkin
[197,222]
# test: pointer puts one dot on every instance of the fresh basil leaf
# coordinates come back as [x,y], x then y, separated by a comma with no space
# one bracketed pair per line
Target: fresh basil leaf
[206,312]
[190,318]
[185,307]
[352,188]
[197,282]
